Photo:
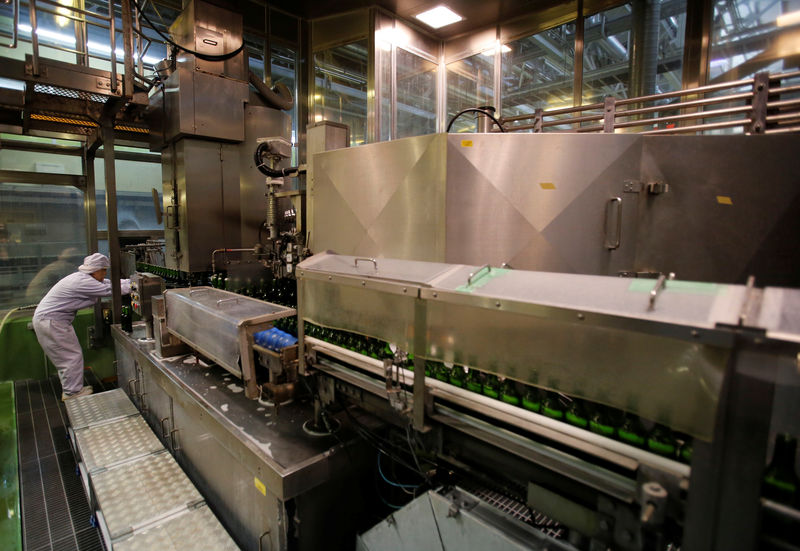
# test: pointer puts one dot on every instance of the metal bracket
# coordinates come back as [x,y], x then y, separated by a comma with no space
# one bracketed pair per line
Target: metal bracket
[486,267]
[632,186]
[458,503]
[660,285]
[657,188]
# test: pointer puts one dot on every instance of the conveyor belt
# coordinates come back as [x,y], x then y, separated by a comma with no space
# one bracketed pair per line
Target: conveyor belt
[55,512]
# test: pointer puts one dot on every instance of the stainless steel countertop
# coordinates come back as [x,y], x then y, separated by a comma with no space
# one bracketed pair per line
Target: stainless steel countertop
[299,460]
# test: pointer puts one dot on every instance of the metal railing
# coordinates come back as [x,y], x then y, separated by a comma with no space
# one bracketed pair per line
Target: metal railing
[135,42]
[760,108]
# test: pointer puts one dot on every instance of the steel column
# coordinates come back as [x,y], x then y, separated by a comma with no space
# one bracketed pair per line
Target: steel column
[107,133]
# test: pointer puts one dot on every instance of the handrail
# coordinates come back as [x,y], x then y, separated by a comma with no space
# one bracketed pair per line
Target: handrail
[758,107]
[14,27]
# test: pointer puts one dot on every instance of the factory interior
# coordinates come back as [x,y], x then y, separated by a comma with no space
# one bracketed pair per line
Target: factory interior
[498,275]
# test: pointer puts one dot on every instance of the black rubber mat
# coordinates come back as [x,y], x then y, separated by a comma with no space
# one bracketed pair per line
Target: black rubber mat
[55,513]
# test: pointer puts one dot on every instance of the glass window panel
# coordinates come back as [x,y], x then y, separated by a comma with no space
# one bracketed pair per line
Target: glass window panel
[340,88]
[135,181]
[606,54]
[383,60]
[470,83]
[283,67]
[416,95]
[671,34]
[746,38]
[538,71]
[254,46]
[42,239]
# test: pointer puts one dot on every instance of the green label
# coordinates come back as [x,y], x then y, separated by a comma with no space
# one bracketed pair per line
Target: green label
[483,278]
[532,406]
[553,413]
[645,285]
[605,430]
[631,437]
[575,420]
[661,447]
[781,484]
[513,400]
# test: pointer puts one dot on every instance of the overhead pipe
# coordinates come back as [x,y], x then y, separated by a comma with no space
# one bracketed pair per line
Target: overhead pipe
[279,96]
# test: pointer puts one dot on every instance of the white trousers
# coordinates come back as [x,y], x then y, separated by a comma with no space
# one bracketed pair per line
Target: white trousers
[60,343]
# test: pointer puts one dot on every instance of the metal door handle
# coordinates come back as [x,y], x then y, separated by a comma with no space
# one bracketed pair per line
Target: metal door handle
[195,291]
[224,300]
[163,433]
[476,272]
[172,439]
[131,392]
[612,242]
[170,215]
[364,259]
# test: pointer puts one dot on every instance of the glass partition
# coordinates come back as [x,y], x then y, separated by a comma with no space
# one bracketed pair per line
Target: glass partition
[671,36]
[538,71]
[470,83]
[416,95]
[606,54]
[340,87]
[42,239]
[750,36]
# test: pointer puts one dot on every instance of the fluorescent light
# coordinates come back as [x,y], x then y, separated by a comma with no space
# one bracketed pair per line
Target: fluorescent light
[386,37]
[788,19]
[439,16]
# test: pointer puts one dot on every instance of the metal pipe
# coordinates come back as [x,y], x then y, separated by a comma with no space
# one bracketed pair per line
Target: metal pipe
[783,103]
[699,127]
[784,90]
[770,118]
[34,39]
[688,116]
[15,26]
[127,46]
[552,112]
[78,10]
[684,105]
[783,130]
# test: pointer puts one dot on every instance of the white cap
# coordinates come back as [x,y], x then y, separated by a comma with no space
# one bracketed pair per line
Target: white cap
[94,263]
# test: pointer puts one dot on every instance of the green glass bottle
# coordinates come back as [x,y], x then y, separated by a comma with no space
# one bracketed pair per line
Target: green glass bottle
[457,376]
[632,432]
[685,452]
[473,381]
[509,393]
[126,319]
[551,406]
[661,440]
[600,421]
[532,399]
[780,482]
[491,386]
[442,372]
[576,414]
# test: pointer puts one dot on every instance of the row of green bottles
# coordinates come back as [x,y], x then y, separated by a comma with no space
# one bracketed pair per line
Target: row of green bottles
[174,277]
[780,482]
[368,346]
[597,418]
[281,291]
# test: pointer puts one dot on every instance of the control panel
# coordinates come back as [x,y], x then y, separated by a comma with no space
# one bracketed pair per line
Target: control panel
[144,286]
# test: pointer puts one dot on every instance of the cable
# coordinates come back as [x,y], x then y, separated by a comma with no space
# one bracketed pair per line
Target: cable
[204,57]
[475,110]
[273,173]
[17,309]
[395,484]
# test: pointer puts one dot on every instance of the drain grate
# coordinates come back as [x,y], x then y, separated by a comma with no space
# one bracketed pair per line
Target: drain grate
[518,510]
[55,513]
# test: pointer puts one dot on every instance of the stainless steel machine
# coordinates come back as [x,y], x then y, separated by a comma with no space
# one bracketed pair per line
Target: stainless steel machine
[713,365]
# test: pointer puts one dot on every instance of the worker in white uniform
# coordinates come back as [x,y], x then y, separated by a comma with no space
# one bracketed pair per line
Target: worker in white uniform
[52,320]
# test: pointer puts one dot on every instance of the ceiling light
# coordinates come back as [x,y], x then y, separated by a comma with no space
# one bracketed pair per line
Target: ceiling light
[788,19]
[439,16]
[497,47]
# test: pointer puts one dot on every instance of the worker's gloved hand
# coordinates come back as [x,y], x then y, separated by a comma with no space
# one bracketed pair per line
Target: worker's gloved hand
[125,286]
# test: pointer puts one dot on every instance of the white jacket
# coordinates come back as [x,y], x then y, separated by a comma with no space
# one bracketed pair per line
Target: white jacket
[72,293]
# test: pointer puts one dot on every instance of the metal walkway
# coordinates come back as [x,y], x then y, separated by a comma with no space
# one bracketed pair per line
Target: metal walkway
[55,513]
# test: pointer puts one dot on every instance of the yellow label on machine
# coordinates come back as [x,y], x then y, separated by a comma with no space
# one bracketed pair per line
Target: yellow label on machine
[466,143]
[547,185]
[260,486]
[724,200]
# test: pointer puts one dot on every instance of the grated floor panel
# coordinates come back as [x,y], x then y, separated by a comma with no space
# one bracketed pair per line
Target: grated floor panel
[55,512]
